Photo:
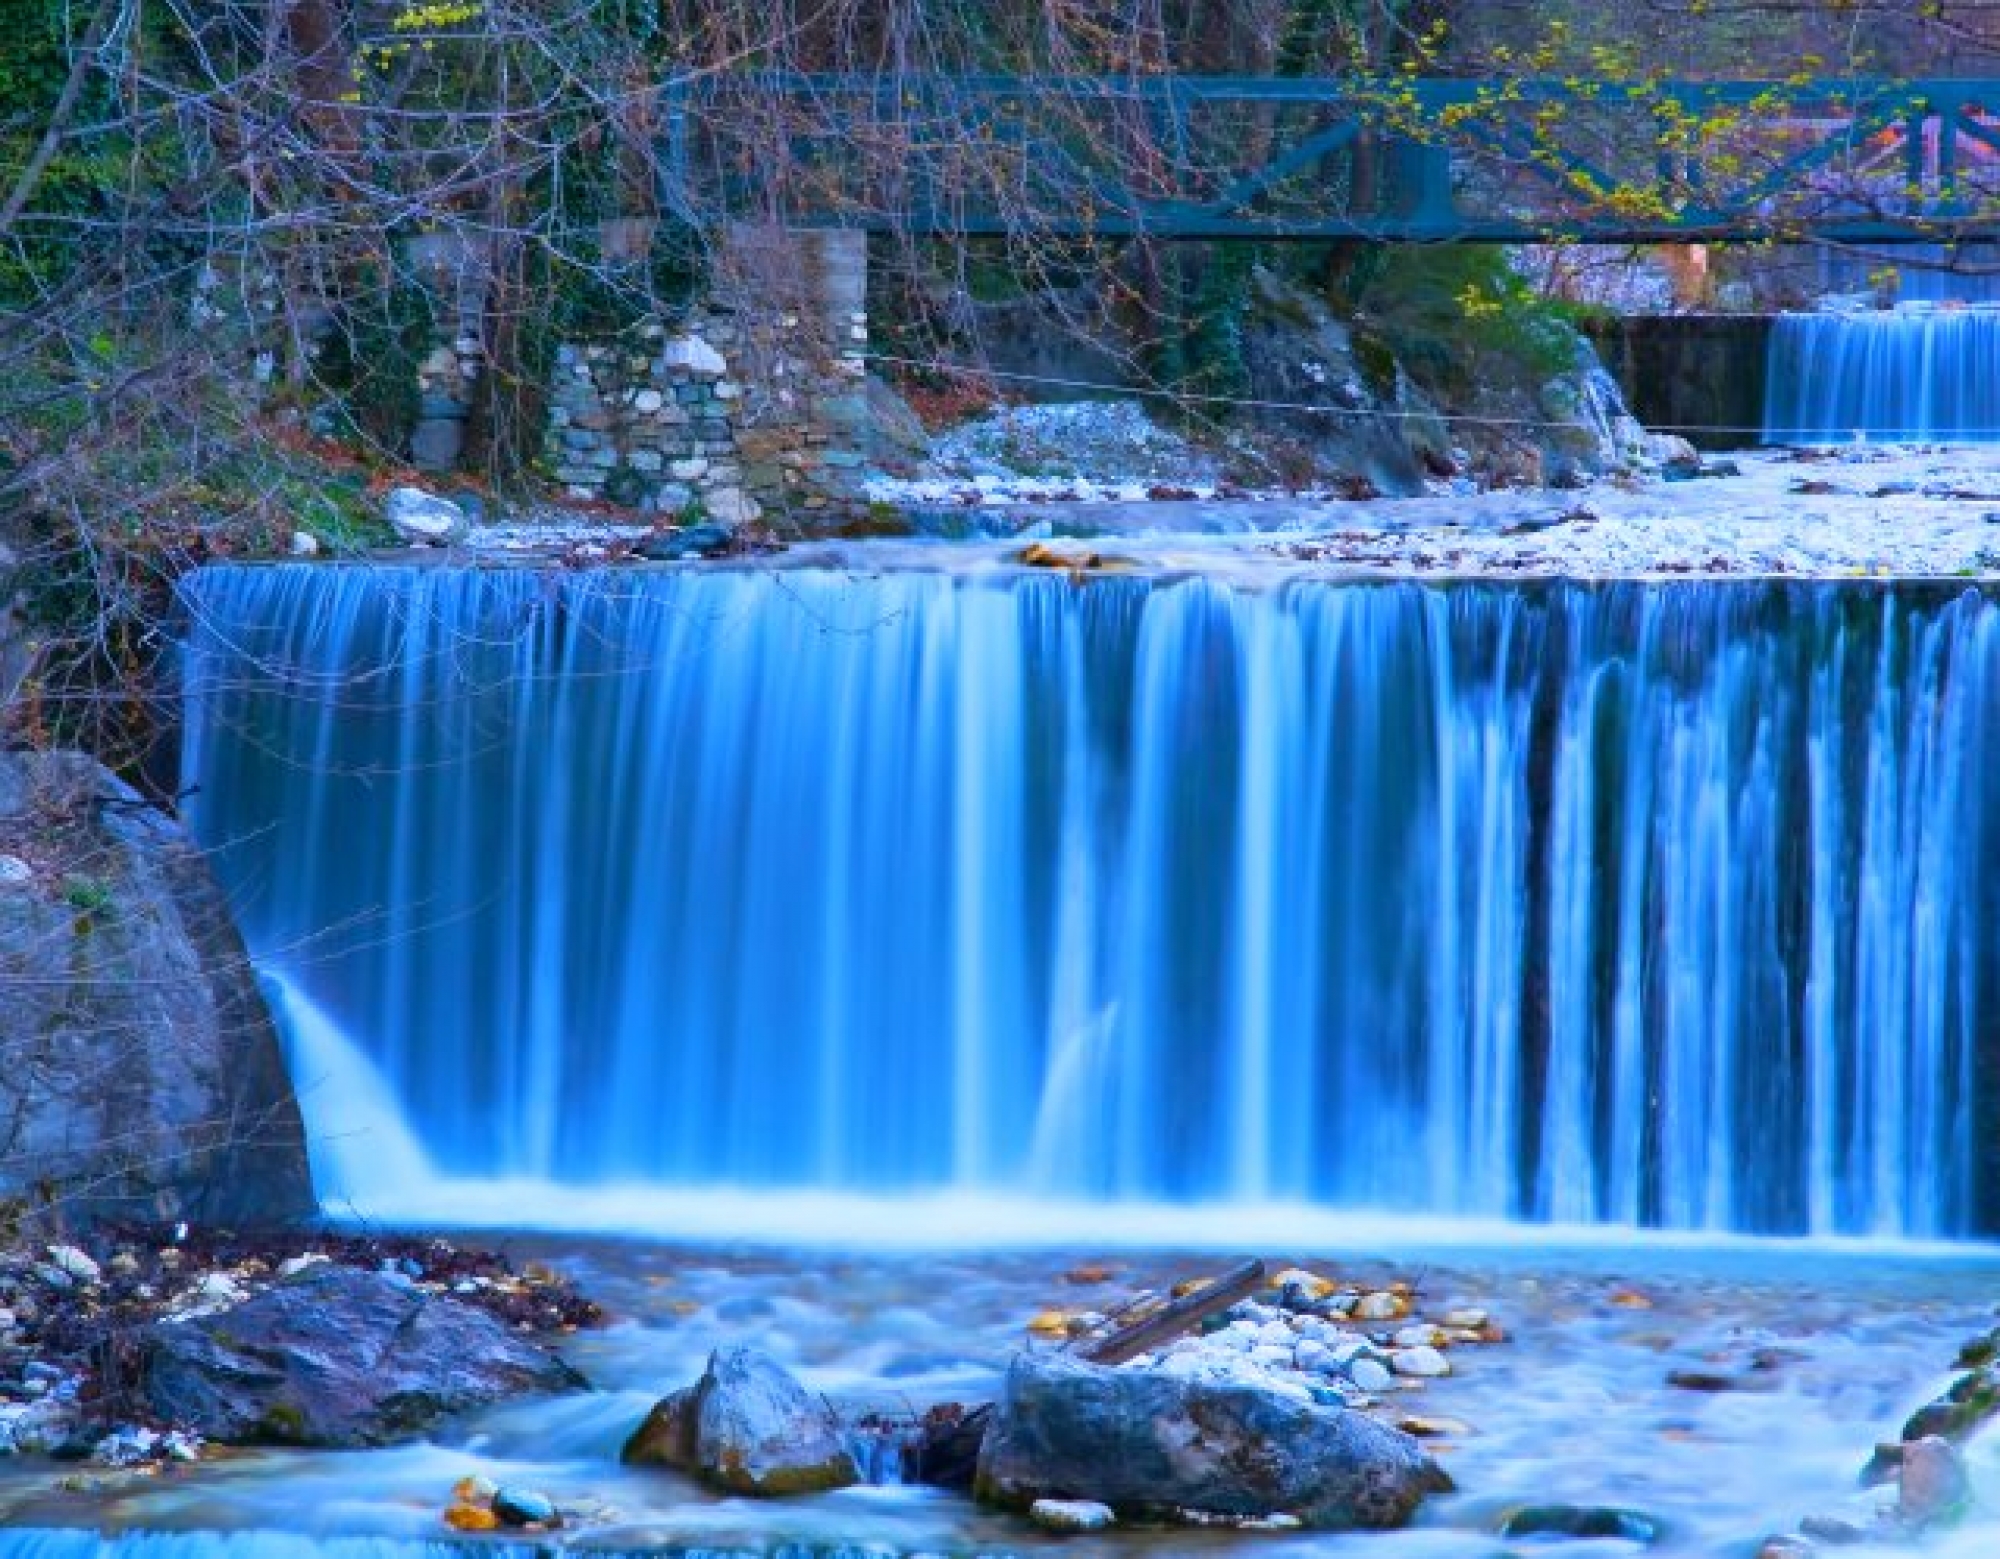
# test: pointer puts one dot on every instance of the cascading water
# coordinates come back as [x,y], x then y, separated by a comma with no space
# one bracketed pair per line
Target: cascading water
[1666,905]
[1894,375]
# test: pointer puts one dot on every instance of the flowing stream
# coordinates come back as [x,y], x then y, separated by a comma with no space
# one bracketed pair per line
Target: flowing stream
[764,921]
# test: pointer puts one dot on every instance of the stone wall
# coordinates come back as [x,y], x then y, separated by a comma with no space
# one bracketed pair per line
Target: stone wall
[1701,375]
[754,405]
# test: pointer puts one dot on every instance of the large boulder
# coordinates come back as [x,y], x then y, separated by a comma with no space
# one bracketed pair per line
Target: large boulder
[139,1071]
[424,519]
[746,1427]
[337,1357]
[1147,1443]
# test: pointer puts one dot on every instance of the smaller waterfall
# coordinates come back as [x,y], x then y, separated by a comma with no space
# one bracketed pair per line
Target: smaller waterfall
[1896,375]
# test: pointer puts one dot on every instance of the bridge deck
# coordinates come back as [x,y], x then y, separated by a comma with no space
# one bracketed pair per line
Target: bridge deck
[1396,160]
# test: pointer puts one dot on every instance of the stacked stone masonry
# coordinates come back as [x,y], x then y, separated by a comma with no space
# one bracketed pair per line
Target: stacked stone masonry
[715,417]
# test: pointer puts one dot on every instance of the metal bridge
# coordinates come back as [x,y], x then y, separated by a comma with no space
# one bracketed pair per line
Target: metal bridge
[1402,159]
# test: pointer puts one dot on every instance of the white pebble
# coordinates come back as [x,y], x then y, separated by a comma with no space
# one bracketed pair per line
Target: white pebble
[1369,1375]
[1071,1515]
[1420,1362]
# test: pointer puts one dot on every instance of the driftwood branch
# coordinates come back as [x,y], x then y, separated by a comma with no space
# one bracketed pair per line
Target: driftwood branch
[1181,1315]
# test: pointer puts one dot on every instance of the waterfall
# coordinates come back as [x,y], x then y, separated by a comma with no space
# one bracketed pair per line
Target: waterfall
[1646,904]
[1896,375]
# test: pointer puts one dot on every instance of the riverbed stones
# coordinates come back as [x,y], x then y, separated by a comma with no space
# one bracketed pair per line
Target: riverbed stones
[1145,1442]
[336,1357]
[746,1427]
[1424,1363]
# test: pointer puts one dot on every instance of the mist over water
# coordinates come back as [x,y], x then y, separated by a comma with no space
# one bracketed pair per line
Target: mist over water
[1654,904]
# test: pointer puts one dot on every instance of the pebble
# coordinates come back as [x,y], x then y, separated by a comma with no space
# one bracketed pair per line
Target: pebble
[1370,1375]
[517,1507]
[1425,1336]
[292,1266]
[1315,1357]
[1378,1307]
[1433,1428]
[15,872]
[74,1263]
[1424,1363]
[1071,1515]
[471,1518]
[1467,1320]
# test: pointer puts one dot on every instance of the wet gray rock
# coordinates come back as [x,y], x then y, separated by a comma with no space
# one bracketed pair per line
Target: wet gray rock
[705,540]
[140,1074]
[1144,1442]
[1582,1521]
[746,1427]
[1933,1488]
[667,1437]
[337,1357]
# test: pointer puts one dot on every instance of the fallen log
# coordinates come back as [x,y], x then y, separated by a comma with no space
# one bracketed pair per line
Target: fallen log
[1178,1316]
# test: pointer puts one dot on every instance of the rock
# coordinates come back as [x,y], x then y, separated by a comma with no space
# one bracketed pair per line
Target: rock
[1670,449]
[1071,1515]
[667,1437]
[36,1428]
[1422,1363]
[471,1518]
[1466,1320]
[746,1427]
[15,872]
[646,402]
[1143,1441]
[304,544]
[1785,1547]
[1932,1486]
[336,1357]
[689,541]
[1378,1307]
[1370,1375]
[436,442]
[730,506]
[424,519]
[695,355]
[74,1263]
[518,1507]
[142,1075]
[1425,1336]
[1581,1521]
[1835,1531]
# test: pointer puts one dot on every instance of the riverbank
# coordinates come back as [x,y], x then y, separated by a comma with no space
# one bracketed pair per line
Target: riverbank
[1856,512]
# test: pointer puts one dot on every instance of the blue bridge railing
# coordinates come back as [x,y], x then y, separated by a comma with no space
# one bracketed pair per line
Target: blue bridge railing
[1412,159]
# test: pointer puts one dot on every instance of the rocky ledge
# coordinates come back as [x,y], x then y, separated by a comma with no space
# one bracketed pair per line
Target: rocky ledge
[149,1345]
